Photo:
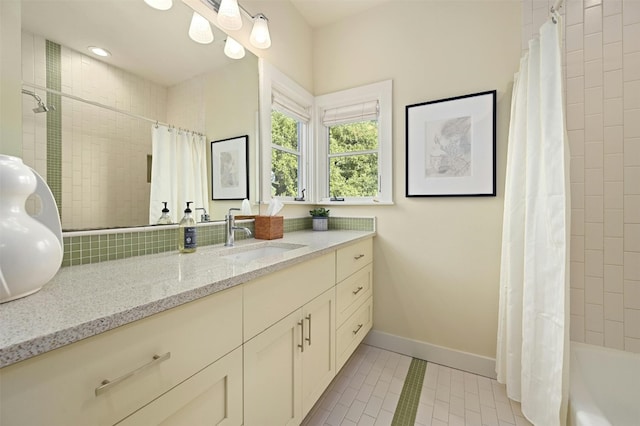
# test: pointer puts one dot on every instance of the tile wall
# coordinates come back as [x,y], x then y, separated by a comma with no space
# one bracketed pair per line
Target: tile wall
[602,96]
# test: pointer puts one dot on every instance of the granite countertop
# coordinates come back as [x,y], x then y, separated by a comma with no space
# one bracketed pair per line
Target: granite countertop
[83,301]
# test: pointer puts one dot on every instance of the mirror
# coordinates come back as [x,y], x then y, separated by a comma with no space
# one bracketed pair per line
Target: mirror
[96,160]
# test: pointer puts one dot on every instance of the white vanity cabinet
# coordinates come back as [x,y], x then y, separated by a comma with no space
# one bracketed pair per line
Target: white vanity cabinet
[354,300]
[105,378]
[289,365]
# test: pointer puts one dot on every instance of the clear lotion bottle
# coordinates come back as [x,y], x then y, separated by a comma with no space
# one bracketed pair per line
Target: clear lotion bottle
[187,232]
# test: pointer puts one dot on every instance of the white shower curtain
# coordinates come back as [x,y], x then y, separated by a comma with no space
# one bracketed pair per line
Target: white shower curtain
[178,172]
[533,325]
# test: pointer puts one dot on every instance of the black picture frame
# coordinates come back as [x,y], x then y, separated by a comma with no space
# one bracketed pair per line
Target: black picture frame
[230,168]
[451,147]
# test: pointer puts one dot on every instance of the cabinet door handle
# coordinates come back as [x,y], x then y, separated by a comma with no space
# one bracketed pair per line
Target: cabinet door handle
[357,329]
[107,384]
[358,256]
[308,339]
[301,345]
[358,290]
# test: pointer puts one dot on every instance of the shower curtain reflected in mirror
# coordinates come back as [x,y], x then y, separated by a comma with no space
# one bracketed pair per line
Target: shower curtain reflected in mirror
[178,172]
[533,325]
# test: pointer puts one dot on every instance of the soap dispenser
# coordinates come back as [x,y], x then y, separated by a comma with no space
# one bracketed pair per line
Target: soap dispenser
[165,219]
[187,232]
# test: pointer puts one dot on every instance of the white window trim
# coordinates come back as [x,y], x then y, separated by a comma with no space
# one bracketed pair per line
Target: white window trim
[270,79]
[382,92]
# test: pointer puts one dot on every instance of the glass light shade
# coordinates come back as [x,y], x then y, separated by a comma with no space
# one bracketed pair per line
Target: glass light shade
[260,37]
[233,49]
[200,29]
[229,15]
[160,4]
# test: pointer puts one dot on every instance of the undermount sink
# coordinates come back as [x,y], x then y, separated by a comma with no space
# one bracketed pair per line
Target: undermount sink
[249,253]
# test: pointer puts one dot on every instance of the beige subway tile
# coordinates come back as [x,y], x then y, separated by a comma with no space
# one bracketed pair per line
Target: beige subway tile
[632,323]
[631,179]
[593,96]
[632,209]
[612,56]
[613,251]
[575,116]
[632,266]
[613,87]
[577,221]
[594,128]
[632,237]
[613,168]
[611,7]
[614,334]
[631,12]
[577,169]
[594,290]
[632,294]
[612,28]
[613,278]
[576,140]
[632,94]
[577,274]
[577,301]
[577,328]
[593,46]
[593,264]
[613,112]
[574,12]
[595,338]
[594,236]
[575,89]
[631,66]
[631,42]
[594,208]
[594,317]
[593,20]
[613,222]
[574,37]
[613,306]
[613,139]
[575,63]
[577,248]
[632,345]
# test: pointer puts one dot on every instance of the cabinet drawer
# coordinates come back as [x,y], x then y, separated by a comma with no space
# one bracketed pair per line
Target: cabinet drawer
[272,297]
[351,292]
[352,258]
[211,397]
[59,387]
[351,333]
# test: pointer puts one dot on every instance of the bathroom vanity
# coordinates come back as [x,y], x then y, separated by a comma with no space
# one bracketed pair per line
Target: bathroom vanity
[189,339]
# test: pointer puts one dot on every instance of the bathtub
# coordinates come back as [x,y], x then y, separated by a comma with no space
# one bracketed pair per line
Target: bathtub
[605,387]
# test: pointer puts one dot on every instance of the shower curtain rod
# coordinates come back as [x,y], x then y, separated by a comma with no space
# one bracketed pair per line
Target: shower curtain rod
[99,105]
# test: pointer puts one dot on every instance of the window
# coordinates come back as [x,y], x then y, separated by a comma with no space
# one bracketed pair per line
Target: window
[285,155]
[354,135]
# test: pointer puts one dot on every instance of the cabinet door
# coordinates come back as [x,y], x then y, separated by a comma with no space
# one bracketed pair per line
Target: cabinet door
[211,397]
[272,374]
[318,357]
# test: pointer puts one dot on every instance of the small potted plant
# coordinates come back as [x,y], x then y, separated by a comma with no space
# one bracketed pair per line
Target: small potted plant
[320,219]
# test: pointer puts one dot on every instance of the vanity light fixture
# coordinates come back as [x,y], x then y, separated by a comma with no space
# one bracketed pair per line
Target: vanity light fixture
[200,29]
[233,49]
[160,4]
[229,15]
[260,37]
[99,51]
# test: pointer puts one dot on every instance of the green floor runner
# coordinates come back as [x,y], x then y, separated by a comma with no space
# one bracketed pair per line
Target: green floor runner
[407,408]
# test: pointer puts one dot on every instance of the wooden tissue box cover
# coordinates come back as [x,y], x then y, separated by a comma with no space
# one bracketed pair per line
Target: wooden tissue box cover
[269,227]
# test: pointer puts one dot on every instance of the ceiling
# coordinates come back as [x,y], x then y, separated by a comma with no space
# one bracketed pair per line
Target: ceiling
[151,43]
[319,13]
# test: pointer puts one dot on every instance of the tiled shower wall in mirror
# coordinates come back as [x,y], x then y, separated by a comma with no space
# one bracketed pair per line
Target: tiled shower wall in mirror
[602,82]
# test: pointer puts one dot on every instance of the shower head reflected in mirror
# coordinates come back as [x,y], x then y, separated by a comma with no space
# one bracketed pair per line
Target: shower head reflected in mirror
[41,106]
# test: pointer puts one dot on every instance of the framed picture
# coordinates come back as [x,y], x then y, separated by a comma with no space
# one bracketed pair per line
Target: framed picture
[230,168]
[451,147]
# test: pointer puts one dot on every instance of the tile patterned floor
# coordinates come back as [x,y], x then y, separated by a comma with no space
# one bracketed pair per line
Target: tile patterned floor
[367,390]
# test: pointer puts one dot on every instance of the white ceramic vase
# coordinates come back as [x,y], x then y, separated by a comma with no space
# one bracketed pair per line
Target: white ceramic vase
[31,247]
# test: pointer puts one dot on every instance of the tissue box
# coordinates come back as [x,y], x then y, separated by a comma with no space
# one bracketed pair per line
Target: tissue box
[269,227]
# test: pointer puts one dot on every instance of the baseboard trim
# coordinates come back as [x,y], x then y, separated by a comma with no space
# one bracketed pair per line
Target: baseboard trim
[460,360]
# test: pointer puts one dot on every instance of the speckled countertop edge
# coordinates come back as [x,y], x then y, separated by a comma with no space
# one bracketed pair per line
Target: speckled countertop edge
[87,300]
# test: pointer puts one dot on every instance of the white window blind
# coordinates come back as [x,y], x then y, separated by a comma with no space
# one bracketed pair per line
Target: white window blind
[285,104]
[363,111]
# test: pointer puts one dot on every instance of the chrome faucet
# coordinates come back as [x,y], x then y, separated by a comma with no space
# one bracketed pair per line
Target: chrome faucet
[204,217]
[231,227]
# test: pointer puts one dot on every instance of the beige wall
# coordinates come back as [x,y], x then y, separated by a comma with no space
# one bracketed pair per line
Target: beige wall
[602,56]
[10,79]
[437,259]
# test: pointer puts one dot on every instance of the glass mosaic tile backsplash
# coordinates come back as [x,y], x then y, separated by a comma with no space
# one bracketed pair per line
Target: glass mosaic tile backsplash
[83,249]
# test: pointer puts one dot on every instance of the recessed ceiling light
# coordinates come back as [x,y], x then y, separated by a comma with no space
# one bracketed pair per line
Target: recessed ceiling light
[99,51]
[160,4]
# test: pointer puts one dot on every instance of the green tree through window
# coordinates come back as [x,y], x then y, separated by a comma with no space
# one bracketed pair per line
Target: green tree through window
[285,155]
[353,159]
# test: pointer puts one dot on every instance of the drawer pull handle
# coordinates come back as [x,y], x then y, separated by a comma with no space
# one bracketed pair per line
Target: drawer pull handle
[107,384]
[358,256]
[357,329]
[308,339]
[301,345]
[358,290]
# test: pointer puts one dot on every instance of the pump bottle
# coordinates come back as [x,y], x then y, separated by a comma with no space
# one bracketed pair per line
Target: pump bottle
[165,219]
[187,232]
